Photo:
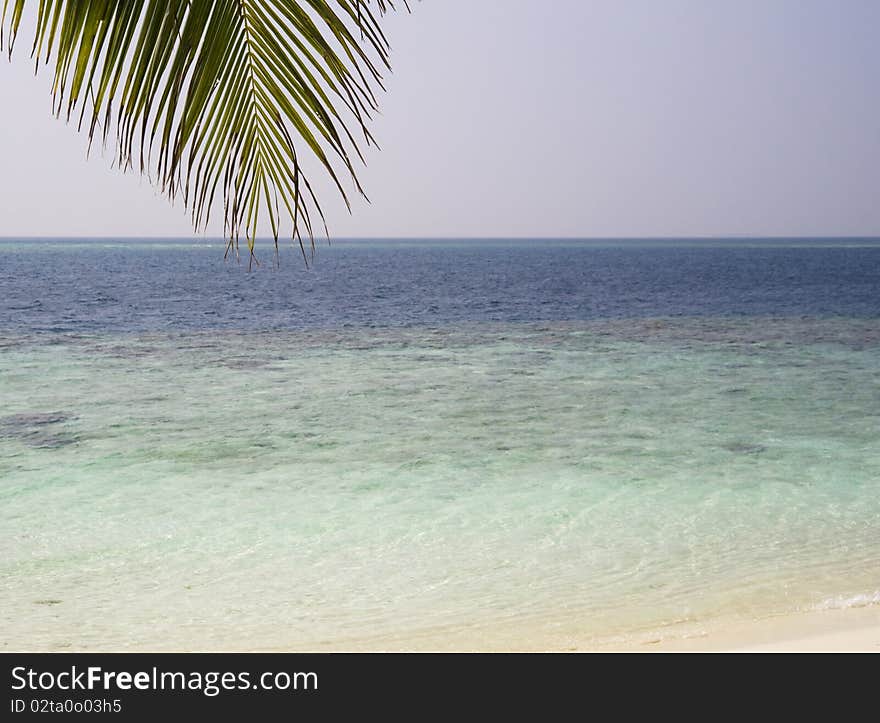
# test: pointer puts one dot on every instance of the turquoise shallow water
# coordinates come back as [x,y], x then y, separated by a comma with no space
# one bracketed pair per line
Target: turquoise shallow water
[468,485]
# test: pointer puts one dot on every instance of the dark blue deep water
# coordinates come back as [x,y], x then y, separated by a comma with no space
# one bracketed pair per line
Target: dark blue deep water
[76,286]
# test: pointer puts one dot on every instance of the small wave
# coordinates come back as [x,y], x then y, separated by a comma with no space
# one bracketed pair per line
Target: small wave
[842,602]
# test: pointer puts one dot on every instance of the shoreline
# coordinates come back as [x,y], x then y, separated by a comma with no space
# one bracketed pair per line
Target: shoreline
[851,629]
[855,629]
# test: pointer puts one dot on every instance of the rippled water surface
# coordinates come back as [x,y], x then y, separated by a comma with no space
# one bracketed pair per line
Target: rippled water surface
[446,445]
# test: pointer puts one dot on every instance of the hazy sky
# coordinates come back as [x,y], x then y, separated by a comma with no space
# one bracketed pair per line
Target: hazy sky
[553,118]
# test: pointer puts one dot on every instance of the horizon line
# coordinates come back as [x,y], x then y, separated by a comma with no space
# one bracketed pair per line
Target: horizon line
[331,239]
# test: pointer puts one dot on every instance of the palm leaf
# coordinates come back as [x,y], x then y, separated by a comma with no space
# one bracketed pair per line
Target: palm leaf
[216,98]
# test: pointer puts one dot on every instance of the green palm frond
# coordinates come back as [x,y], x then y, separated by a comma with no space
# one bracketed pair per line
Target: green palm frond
[208,96]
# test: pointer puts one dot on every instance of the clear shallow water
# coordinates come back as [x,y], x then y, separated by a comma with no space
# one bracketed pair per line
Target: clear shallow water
[317,478]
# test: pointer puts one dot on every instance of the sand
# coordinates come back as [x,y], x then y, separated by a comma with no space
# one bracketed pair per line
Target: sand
[848,630]
[852,629]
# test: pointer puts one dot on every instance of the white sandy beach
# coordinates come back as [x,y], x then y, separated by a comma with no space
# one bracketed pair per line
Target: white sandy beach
[848,630]
[853,629]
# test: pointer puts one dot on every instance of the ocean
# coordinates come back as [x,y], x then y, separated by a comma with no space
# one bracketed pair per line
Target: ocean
[434,444]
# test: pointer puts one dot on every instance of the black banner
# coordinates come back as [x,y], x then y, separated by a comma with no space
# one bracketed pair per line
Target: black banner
[114,686]
[135,686]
